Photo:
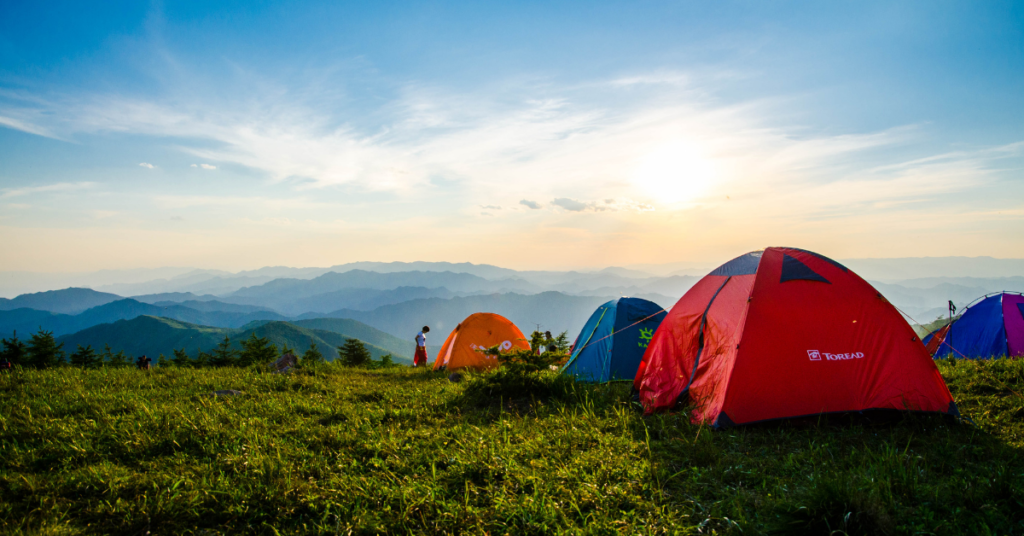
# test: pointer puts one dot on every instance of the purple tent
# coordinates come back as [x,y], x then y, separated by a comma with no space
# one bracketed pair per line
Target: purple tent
[991,327]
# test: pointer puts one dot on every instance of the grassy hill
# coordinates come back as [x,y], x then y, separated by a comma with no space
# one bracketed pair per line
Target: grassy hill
[403,451]
[359,330]
[153,336]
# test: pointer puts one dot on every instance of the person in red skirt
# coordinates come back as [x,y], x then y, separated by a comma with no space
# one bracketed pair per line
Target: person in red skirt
[420,359]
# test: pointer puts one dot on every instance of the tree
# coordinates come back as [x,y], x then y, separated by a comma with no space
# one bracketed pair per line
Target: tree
[257,350]
[387,361]
[562,342]
[120,360]
[203,359]
[354,354]
[312,355]
[224,355]
[161,361]
[14,350]
[43,351]
[181,359]
[537,341]
[107,357]
[85,357]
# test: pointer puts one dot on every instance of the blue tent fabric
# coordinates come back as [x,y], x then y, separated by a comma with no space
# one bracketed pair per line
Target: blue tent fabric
[613,340]
[979,333]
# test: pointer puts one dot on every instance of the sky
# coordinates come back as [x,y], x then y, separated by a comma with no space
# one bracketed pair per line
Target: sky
[531,135]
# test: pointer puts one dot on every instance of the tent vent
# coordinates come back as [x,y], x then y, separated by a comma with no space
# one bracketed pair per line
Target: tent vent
[794,270]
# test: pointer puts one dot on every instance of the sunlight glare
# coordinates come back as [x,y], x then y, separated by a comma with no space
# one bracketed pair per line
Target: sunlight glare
[674,172]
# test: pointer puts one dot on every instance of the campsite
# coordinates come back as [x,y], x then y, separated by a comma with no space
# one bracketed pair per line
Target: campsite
[509,433]
[610,267]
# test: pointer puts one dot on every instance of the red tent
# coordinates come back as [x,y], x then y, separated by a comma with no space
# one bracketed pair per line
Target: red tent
[785,333]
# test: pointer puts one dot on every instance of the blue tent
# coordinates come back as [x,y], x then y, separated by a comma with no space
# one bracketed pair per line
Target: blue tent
[613,340]
[991,327]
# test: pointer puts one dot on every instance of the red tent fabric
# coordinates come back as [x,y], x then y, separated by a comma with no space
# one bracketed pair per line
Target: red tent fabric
[939,336]
[785,333]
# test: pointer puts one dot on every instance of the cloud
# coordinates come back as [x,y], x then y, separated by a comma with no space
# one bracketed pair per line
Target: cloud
[490,207]
[569,204]
[177,218]
[531,204]
[527,138]
[49,188]
[147,166]
[23,126]
[608,205]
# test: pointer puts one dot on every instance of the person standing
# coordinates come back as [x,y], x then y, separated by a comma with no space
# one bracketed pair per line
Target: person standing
[420,359]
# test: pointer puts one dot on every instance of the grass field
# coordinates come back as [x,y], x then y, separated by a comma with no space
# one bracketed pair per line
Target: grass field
[403,451]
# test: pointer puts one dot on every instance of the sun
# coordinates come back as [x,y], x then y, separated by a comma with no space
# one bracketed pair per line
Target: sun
[673,173]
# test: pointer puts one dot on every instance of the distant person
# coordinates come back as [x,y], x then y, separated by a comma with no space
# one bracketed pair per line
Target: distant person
[143,362]
[549,342]
[420,359]
[5,365]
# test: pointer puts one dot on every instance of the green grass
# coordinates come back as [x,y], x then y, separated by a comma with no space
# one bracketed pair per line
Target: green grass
[337,451]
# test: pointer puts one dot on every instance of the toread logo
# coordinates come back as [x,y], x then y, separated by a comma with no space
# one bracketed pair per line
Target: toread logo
[815,355]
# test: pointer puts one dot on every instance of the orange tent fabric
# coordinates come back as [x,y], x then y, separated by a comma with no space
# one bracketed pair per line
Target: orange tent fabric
[478,331]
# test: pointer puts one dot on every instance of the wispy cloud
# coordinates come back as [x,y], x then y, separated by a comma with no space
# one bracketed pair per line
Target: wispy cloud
[49,188]
[530,204]
[657,146]
[569,204]
[147,166]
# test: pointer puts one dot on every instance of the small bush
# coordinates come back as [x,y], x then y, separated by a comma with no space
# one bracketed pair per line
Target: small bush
[522,374]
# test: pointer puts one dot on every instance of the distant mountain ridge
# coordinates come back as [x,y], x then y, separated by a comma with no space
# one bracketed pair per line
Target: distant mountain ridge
[31,320]
[553,311]
[66,301]
[153,336]
[353,279]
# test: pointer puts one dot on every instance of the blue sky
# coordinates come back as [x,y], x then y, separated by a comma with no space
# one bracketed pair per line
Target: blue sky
[235,135]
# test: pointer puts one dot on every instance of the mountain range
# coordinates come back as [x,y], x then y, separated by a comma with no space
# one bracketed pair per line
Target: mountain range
[31,320]
[153,336]
[399,298]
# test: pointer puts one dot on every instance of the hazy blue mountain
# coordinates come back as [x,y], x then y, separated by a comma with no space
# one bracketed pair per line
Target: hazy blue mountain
[175,297]
[152,336]
[634,292]
[293,289]
[553,311]
[923,299]
[197,282]
[220,283]
[24,321]
[626,272]
[29,320]
[893,270]
[485,271]
[362,299]
[216,306]
[1013,284]
[66,301]
[14,283]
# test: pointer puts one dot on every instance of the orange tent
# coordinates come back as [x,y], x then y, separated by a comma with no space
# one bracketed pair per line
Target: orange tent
[478,331]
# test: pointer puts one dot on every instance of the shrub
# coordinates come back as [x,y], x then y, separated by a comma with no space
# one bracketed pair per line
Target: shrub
[354,354]
[521,374]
